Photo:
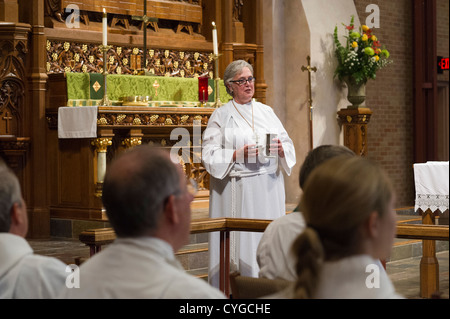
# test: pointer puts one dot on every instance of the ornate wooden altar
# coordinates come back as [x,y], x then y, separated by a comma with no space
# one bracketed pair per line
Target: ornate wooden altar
[75,178]
[43,44]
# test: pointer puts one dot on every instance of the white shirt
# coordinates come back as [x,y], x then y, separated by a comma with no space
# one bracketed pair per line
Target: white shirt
[274,255]
[27,275]
[138,268]
[355,277]
[252,189]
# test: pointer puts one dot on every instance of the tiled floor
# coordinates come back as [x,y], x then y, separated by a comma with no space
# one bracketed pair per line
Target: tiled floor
[62,248]
[405,275]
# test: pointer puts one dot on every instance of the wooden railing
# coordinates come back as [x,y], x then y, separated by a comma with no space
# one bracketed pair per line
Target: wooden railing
[95,238]
[424,232]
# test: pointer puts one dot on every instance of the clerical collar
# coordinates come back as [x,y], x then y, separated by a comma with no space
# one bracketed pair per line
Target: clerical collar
[246,104]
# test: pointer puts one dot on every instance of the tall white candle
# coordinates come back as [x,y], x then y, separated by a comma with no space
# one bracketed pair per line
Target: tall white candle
[215,45]
[105,28]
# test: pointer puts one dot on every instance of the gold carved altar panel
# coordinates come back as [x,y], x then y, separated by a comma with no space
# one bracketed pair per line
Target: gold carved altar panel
[76,193]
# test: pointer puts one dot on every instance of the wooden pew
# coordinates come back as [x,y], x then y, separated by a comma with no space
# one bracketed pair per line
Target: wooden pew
[95,238]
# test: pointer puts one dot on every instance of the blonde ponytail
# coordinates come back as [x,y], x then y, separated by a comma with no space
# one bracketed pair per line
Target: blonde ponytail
[338,198]
[308,248]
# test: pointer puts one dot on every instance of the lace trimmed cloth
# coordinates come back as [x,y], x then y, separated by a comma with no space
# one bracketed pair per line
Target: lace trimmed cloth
[432,186]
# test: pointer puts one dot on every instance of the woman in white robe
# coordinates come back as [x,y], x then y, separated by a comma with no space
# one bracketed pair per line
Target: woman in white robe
[246,169]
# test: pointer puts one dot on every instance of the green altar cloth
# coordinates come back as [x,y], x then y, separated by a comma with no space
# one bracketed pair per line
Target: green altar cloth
[84,89]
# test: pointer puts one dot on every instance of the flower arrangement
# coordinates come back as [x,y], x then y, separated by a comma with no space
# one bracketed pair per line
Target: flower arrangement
[362,56]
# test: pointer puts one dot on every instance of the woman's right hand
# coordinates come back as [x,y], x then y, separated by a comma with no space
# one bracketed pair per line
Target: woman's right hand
[245,152]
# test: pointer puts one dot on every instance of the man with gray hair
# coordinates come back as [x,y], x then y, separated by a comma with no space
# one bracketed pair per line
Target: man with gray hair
[22,273]
[147,200]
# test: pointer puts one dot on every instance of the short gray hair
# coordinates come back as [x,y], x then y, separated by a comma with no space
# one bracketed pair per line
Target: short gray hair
[10,193]
[232,70]
[135,188]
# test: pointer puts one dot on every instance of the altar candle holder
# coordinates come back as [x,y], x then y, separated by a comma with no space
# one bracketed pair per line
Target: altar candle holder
[216,56]
[203,90]
[104,49]
[217,103]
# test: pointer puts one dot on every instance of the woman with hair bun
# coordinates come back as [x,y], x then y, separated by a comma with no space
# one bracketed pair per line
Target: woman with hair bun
[348,205]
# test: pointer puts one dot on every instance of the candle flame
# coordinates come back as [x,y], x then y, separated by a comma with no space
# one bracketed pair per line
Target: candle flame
[214,24]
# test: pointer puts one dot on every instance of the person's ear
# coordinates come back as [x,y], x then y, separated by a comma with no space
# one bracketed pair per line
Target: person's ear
[372,225]
[170,210]
[19,220]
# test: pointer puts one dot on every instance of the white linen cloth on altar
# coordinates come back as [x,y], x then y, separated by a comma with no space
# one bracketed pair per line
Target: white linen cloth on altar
[77,122]
[432,186]
[253,189]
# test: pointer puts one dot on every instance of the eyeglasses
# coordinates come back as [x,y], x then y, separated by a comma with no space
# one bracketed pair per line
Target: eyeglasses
[242,82]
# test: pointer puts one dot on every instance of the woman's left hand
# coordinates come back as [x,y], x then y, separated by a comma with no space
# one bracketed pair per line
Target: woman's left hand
[277,147]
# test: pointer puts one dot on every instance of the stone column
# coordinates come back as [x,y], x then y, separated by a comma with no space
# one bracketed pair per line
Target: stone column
[101,148]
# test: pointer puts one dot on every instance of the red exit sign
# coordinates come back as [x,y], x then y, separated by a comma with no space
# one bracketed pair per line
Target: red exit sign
[443,64]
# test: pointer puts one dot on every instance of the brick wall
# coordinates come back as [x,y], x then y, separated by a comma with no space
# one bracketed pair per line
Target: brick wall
[390,97]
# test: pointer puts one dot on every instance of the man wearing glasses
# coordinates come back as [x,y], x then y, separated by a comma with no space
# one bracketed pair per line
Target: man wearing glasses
[147,200]
[245,150]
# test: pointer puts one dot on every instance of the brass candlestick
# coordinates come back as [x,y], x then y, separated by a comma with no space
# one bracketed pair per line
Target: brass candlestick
[105,48]
[217,103]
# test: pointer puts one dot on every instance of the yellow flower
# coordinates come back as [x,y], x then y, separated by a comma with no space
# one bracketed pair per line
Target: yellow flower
[365,28]
[354,44]
[364,37]
[373,38]
[377,58]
